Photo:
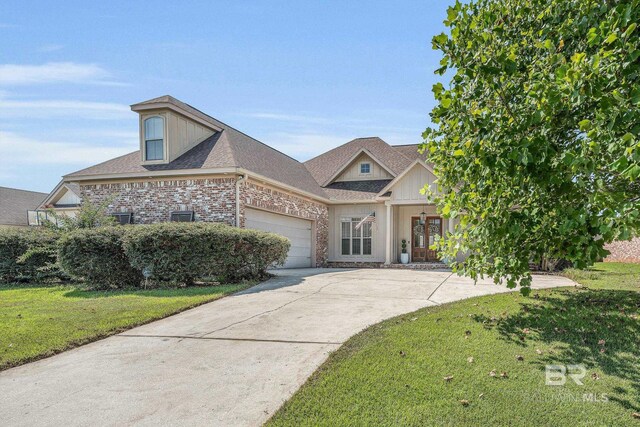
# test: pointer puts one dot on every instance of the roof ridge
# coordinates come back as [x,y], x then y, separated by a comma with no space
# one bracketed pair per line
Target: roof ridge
[20,189]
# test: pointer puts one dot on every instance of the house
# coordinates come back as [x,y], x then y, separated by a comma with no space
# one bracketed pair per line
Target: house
[352,204]
[15,203]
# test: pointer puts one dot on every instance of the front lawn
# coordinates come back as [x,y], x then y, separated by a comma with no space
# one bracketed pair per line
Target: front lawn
[38,321]
[482,362]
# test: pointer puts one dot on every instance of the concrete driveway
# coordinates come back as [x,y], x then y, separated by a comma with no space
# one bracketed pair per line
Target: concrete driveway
[230,362]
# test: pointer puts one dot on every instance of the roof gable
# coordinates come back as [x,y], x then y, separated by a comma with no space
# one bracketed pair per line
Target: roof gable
[327,166]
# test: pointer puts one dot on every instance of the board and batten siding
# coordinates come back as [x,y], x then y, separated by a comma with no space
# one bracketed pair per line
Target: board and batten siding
[68,198]
[378,231]
[409,186]
[352,173]
[180,134]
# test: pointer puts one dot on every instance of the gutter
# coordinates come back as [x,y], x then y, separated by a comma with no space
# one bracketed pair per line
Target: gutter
[239,180]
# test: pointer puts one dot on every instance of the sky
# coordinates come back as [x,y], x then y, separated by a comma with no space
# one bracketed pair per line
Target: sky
[302,77]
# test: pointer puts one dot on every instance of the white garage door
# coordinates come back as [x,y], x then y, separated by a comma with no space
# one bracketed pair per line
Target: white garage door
[295,229]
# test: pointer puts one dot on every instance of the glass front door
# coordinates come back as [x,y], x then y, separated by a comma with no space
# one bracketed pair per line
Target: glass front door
[423,236]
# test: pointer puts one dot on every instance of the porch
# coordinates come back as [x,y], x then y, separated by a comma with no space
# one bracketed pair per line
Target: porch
[419,225]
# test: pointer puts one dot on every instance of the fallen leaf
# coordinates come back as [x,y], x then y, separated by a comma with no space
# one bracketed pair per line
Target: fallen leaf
[601,342]
[402,353]
[526,330]
[413,319]
[465,402]
[448,378]
[480,395]
[519,357]
[602,350]
[636,415]
[595,376]
[504,375]
[470,359]
[492,373]
[467,332]
[538,351]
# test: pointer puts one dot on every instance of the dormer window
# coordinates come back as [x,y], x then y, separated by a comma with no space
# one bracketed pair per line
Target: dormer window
[365,168]
[154,138]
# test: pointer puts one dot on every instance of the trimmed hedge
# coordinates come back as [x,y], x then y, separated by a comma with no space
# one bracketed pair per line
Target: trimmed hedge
[27,254]
[97,255]
[183,252]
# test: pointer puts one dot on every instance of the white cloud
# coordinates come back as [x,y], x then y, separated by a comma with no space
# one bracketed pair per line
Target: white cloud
[54,72]
[11,108]
[18,152]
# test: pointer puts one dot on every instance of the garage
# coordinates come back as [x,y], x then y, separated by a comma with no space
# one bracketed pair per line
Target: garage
[295,229]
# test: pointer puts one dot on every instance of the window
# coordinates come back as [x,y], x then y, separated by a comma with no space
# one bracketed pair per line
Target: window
[154,138]
[365,168]
[356,241]
[182,216]
[123,218]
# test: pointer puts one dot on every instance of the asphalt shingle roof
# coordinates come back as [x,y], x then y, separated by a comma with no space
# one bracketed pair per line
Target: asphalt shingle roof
[231,148]
[326,165]
[15,203]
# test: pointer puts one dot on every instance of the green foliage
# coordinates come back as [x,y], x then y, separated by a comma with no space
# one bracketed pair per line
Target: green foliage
[182,252]
[27,254]
[88,216]
[97,255]
[536,140]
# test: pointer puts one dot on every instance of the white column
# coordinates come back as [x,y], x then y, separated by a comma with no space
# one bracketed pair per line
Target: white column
[387,259]
[451,225]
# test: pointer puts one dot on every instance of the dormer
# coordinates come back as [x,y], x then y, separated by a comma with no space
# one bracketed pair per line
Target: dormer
[169,128]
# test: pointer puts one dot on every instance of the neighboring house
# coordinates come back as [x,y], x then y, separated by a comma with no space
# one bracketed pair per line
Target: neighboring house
[352,204]
[15,203]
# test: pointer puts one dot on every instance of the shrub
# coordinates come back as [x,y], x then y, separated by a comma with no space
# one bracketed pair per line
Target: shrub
[27,254]
[183,252]
[97,255]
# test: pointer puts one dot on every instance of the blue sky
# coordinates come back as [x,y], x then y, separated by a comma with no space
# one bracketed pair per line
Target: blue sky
[302,77]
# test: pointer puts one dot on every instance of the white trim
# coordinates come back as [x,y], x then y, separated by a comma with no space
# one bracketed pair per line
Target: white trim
[404,172]
[61,185]
[166,105]
[360,173]
[348,218]
[353,159]
[165,139]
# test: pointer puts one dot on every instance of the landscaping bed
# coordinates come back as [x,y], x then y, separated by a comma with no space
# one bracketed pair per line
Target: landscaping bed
[482,362]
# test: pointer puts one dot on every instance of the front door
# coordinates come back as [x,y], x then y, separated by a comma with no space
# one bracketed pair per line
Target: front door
[424,235]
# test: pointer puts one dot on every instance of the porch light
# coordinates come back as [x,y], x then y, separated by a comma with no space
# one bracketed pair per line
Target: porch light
[423,217]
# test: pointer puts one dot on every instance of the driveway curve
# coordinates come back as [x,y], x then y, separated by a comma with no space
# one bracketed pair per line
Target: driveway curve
[231,362]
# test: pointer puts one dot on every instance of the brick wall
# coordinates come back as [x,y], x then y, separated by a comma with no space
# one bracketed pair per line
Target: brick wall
[624,251]
[259,196]
[212,199]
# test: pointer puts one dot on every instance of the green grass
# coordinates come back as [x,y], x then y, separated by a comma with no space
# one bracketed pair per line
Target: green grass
[38,321]
[394,372]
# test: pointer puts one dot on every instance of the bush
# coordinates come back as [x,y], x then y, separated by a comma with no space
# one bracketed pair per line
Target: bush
[97,255]
[27,254]
[183,252]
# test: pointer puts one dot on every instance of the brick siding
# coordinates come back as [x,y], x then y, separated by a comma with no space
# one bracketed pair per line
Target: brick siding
[262,197]
[624,251]
[212,199]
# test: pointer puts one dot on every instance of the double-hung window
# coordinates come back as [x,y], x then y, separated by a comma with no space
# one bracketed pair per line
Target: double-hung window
[154,138]
[356,241]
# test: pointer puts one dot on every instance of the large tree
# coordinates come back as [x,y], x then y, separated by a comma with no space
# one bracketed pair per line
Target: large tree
[535,139]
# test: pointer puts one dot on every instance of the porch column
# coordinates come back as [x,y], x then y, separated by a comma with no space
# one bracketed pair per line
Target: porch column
[387,259]
[451,225]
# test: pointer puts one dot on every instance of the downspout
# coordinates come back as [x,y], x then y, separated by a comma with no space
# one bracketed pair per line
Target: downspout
[239,180]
